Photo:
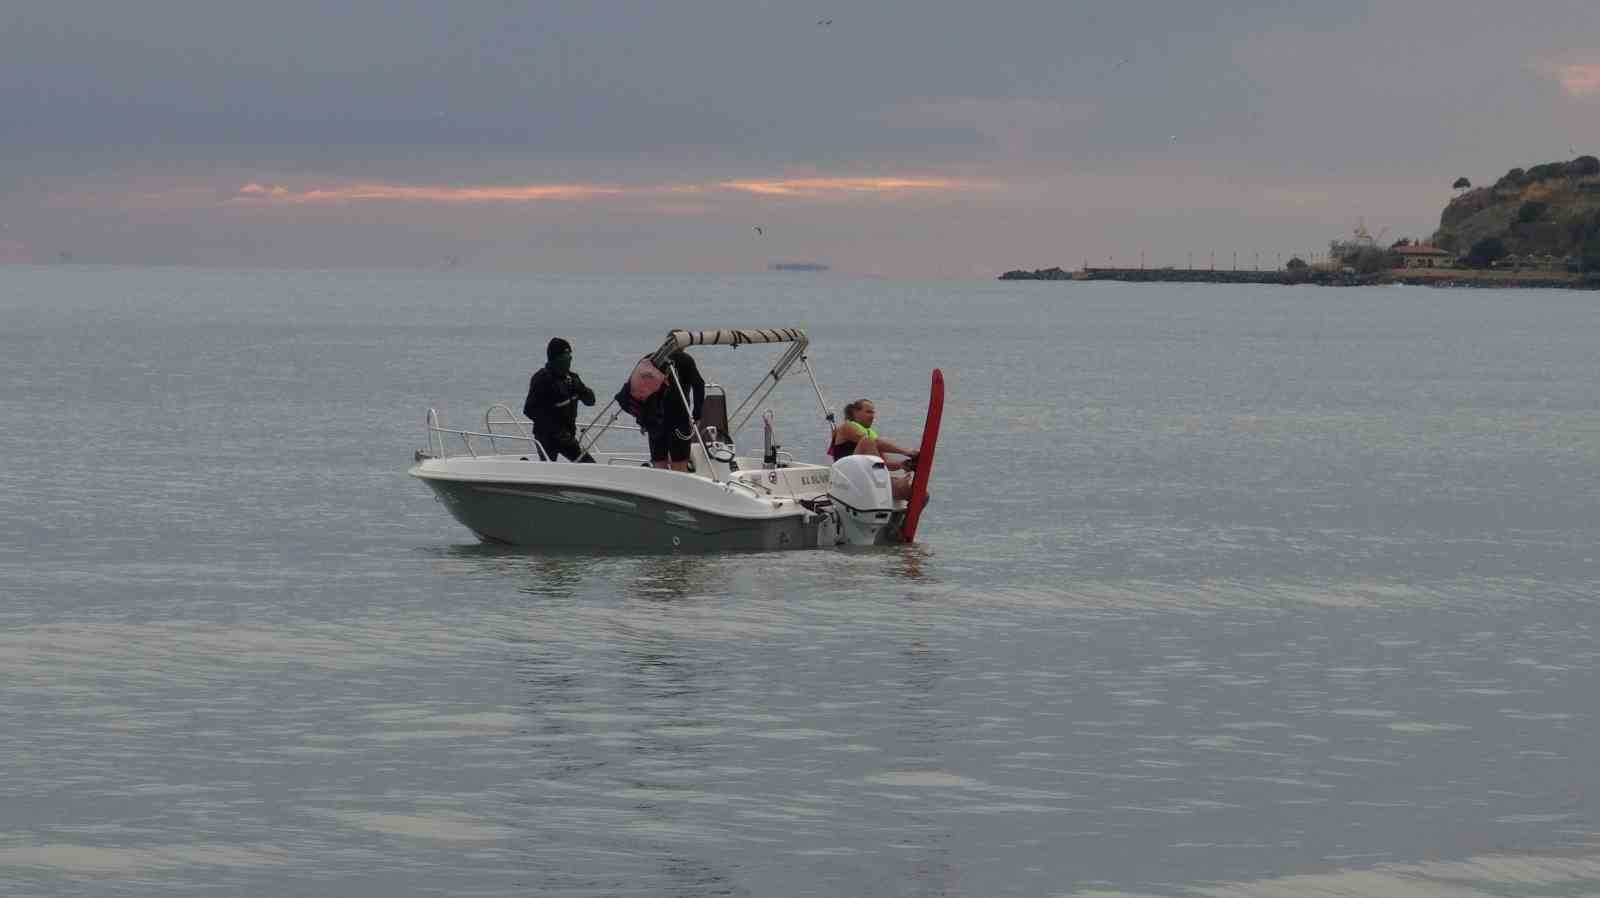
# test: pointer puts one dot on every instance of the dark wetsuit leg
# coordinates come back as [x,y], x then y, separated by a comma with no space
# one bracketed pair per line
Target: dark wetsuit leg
[677,446]
[562,445]
[666,444]
[680,432]
[658,444]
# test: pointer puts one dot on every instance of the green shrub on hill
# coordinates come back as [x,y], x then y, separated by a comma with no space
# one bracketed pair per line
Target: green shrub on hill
[1589,256]
[1512,180]
[1546,171]
[1485,252]
[1551,209]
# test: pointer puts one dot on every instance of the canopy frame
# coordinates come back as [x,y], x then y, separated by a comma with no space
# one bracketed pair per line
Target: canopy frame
[679,339]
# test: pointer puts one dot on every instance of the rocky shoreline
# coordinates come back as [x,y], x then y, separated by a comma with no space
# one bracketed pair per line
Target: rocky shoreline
[1426,278]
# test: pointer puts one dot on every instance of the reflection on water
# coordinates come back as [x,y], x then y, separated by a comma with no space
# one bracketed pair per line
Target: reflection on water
[910,558]
[1572,874]
[541,573]
[688,724]
[669,577]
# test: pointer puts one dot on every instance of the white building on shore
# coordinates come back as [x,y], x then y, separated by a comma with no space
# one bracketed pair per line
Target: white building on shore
[1424,255]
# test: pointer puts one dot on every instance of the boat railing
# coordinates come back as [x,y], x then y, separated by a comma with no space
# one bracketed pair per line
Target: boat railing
[441,438]
[501,426]
[588,427]
[509,418]
[731,483]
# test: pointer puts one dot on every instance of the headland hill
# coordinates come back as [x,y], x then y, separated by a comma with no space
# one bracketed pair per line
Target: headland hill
[1535,227]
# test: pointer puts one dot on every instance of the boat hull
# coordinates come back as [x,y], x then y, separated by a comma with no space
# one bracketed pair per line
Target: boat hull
[562,516]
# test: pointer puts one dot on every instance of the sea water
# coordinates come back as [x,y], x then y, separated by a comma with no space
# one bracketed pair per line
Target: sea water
[1222,591]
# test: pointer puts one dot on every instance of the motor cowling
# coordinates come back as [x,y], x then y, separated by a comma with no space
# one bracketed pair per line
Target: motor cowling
[862,497]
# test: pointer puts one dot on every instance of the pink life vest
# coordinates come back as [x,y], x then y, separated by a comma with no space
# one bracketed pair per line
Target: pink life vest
[645,381]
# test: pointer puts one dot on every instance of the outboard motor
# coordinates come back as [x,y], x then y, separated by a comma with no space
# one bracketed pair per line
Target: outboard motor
[862,498]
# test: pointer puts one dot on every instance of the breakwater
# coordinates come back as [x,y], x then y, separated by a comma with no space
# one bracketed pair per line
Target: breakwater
[1210,275]
[1193,276]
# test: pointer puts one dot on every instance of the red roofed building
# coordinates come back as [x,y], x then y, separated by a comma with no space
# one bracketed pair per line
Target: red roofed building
[1425,255]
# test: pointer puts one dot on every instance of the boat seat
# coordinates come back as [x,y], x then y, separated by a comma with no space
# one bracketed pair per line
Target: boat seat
[714,413]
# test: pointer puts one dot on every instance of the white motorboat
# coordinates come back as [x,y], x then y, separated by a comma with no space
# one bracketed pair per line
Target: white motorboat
[499,484]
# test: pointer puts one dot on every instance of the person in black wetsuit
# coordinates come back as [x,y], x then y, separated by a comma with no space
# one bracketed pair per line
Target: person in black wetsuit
[671,437]
[662,415]
[554,392]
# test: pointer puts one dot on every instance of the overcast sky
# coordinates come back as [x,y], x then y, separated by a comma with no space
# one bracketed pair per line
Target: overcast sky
[904,139]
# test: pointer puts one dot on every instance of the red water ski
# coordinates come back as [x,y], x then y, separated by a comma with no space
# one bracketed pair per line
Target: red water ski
[930,439]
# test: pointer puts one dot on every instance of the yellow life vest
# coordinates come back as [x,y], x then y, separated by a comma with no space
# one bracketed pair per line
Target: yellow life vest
[867,433]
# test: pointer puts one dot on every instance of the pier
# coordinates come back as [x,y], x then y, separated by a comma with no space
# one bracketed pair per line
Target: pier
[1193,276]
[1197,275]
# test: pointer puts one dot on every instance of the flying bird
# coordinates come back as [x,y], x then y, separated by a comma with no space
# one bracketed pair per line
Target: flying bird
[824,21]
[758,230]
[1122,61]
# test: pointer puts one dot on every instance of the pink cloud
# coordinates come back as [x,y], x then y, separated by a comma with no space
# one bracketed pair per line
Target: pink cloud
[13,252]
[778,187]
[842,186]
[465,195]
[1579,79]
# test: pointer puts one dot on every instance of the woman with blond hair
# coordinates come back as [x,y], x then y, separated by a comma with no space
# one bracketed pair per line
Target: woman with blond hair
[855,436]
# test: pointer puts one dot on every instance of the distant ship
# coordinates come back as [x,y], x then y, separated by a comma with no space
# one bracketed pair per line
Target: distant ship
[799,266]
